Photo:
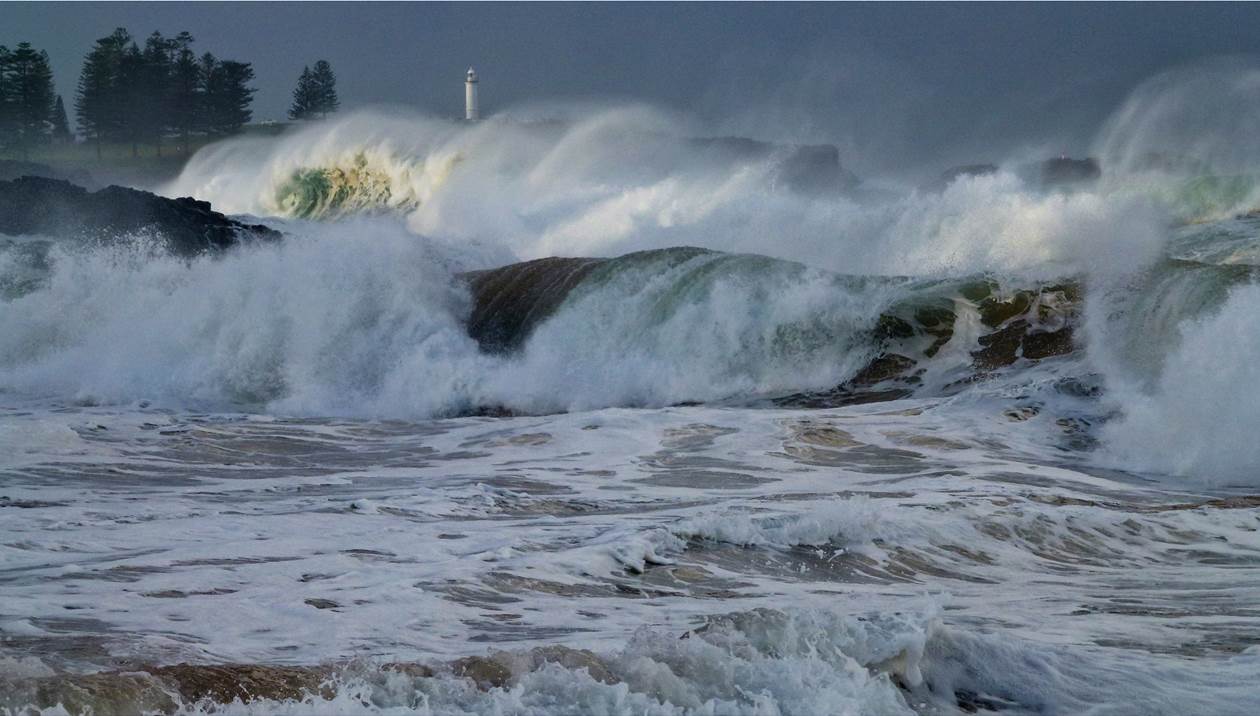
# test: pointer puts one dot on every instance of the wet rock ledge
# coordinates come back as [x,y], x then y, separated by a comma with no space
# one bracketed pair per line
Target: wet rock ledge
[57,208]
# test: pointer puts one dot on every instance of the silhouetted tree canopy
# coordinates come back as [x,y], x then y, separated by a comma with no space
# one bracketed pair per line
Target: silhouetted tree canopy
[304,96]
[325,88]
[316,93]
[27,98]
[144,95]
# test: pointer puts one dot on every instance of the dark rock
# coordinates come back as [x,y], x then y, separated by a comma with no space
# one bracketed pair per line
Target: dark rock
[949,176]
[29,504]
[1056,172]
[815,169]
[510,300]
[1046,344]
[244,682]
[1000,348]
[322,603]
[885,367]
[36,205]
[1016,340]
[803,168]
[977,290]
[486,672]
[1064,171]
[890,326]
[995,312]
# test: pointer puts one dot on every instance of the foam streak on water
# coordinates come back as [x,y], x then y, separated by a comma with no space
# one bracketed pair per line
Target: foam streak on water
[143,537]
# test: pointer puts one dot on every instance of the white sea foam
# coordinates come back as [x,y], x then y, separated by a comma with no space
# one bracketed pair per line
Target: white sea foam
[1198,419]
[627,178]
[961,546]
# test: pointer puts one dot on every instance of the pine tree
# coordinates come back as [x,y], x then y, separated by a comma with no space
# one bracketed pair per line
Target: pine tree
[154,105]
[144,95]
[98,103]
[60,123]
[226,94]
[207,80]
[234,111]
[8,111]
[325,88]
[304,99]
[131,91]
[185,99]
[29,95]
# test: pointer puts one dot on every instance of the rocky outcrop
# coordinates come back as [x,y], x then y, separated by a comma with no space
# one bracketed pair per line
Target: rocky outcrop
[802,168]
[949,176]
[509,301]
[1065,171]
[1048,174]
[38,205]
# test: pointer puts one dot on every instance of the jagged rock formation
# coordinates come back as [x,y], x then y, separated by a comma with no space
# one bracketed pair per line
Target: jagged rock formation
[38,205]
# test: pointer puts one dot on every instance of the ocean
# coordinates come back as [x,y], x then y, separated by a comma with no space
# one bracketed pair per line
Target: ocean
[753,449]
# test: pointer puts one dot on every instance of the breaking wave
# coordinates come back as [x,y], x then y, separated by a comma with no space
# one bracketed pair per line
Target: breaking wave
[406,287]
[759,662]
[627,179]
[364,319]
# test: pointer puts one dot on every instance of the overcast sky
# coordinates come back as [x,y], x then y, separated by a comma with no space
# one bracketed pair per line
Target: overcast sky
[889,83]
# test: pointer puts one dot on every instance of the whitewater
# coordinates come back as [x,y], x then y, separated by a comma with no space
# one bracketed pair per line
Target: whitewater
[594,412]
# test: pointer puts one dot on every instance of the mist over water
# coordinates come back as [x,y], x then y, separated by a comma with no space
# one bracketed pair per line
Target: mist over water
[867,447]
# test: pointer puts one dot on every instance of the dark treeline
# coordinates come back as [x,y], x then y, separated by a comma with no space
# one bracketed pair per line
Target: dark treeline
[158,93]
[30,111]
[137,95]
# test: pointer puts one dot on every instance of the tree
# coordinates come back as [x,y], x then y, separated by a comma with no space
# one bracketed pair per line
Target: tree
[304,98]
[28,97]
[60,123]
[325,88]
[8,105]
[97,102]
[154,102]
[207,78]
[226,94]
[145,95]
[185,98]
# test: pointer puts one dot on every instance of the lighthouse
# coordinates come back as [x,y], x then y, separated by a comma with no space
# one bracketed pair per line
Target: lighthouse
[471,112]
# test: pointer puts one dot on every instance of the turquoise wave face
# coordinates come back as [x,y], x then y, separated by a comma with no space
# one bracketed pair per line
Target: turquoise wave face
[1212,197]
[332,192]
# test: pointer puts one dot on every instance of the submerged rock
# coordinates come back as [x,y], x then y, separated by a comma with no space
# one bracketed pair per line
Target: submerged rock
[37,205]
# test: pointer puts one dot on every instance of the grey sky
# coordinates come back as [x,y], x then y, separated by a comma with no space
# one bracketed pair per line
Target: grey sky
[892,84]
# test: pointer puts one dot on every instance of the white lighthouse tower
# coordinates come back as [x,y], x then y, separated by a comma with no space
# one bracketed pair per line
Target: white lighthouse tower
[471,112]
